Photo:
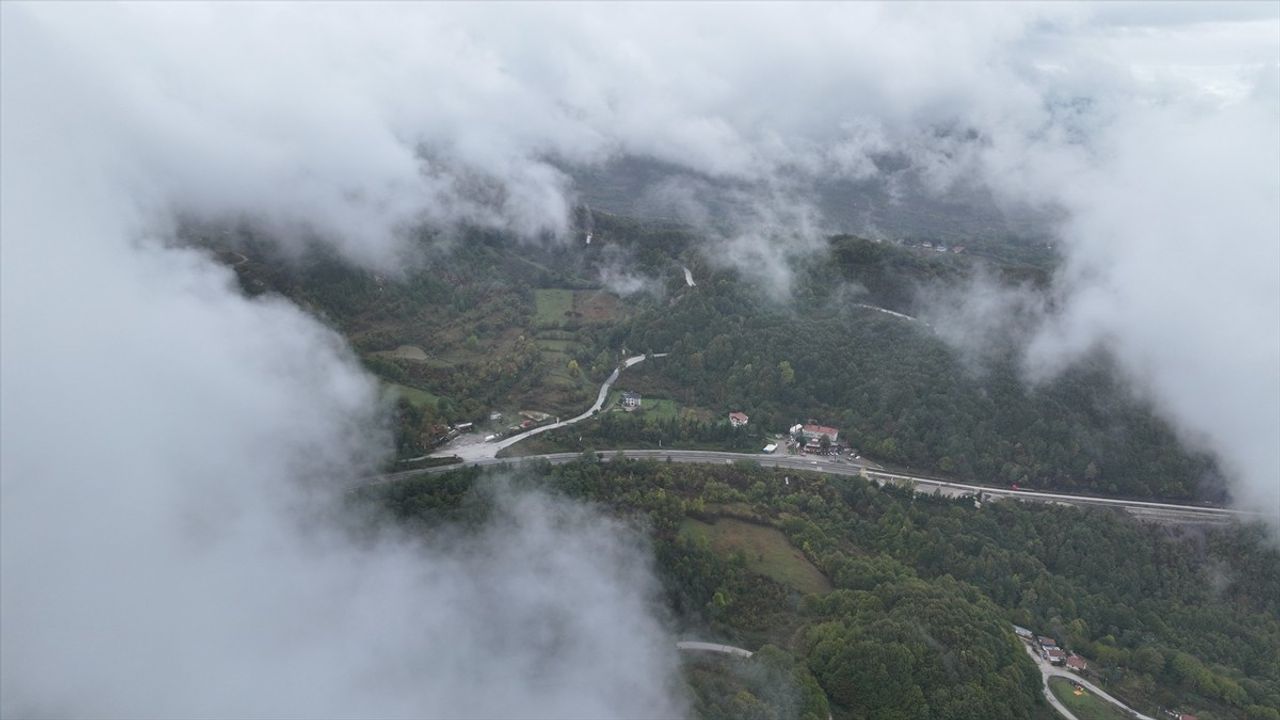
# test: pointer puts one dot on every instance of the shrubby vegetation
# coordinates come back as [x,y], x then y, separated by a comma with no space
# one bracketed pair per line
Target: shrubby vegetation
[771,685]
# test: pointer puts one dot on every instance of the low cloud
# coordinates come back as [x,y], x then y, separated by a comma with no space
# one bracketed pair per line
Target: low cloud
[983,317]
[163,435]
[1173,264]
[174,453]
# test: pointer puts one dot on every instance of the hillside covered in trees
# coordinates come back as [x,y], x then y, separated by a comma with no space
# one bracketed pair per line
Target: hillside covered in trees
[902,395]
[482,323]
[912,616]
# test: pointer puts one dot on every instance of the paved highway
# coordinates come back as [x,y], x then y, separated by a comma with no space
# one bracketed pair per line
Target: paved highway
[1154,511]
[472,451]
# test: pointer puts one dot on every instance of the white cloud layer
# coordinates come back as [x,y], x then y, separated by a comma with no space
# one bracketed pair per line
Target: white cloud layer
[172,449]
[156,425]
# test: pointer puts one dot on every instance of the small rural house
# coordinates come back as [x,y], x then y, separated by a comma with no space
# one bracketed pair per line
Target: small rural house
[630,400]
[738,419]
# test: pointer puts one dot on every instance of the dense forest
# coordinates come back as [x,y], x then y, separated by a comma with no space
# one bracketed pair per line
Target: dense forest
[903,396]
[911,617]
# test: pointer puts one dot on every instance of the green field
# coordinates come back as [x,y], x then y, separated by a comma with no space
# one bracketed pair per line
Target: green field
[1087,706]
[650,407]
[560,346]
[659,408]
[417,397]
[552,306]
[766,550]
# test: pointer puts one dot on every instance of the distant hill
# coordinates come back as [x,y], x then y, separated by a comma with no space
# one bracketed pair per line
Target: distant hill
[893,204]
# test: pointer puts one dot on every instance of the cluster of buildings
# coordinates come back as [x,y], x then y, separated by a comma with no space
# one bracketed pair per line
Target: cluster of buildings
[941,247]
[1048,649]
[529,419]
[916,243]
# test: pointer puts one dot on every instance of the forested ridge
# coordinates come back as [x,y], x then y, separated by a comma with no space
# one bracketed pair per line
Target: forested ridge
[924,589]
[901,395]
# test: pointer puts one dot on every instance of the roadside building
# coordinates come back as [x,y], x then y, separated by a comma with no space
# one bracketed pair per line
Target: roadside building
[738,419]
[770,448]
[1047,642]
[816,432]
[630,400]
[1023,633]
[1055,656]
[1077,663]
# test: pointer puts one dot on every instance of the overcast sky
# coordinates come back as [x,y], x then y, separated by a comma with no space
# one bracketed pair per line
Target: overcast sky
[157,426]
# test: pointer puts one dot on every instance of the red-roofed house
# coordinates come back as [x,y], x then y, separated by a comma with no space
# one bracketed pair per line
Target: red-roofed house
[815,432]
[1077,663]
[738,419]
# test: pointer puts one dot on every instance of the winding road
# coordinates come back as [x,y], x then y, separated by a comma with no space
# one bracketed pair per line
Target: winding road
[1048,671]
[475,452]
[695,646]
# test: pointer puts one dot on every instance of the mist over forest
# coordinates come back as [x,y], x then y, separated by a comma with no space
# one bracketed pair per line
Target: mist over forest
[256,255]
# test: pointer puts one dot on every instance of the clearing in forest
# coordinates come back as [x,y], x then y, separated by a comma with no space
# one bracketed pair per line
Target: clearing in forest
[595,306]
[766,551]
[416,396]
[1085,706]
[405,352]
[552,306]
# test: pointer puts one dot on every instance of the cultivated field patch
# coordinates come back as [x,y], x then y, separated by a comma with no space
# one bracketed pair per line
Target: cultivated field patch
[1085,706]
[416,396]
[552,306]
[405,352]
[595,306]
[766,551]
